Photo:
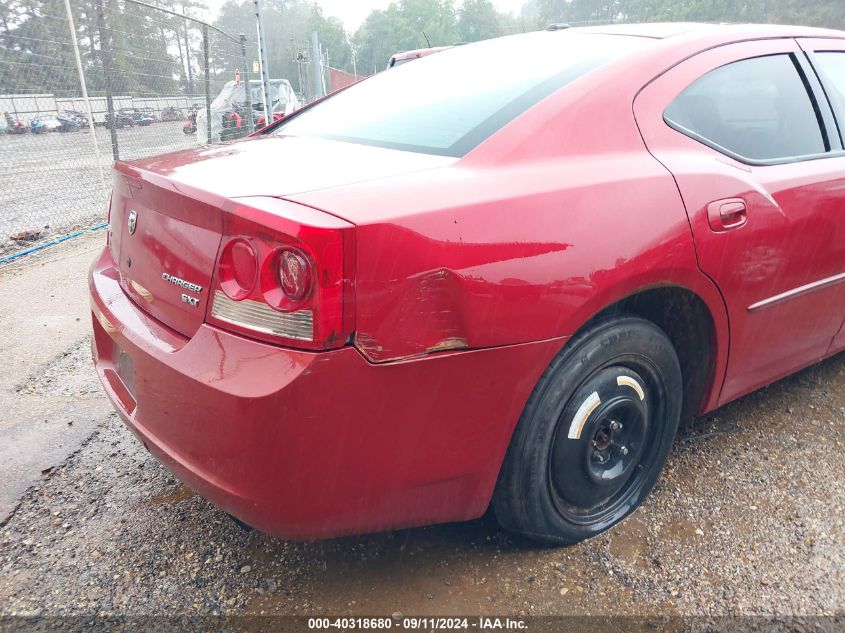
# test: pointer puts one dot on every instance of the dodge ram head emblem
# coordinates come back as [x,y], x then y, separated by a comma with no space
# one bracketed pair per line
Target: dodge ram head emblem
[133,222]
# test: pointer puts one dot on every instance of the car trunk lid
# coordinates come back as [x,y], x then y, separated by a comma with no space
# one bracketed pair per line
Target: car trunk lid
[164,239]
[281,166]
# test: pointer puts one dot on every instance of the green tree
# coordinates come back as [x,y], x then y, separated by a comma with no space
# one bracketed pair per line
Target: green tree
[35,54]
[288,25]
[478,20]
[382,34]
[405,25]
[142,63]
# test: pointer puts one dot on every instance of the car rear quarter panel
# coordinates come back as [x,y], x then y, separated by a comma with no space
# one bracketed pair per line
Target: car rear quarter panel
[559,215]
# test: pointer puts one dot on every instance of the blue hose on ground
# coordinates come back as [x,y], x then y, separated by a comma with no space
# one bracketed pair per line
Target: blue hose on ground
[53,242]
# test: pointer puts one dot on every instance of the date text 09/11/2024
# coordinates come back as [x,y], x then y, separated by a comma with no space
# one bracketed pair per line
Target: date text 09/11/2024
[480,623]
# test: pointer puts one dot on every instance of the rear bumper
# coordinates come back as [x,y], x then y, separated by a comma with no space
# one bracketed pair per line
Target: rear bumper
[311,445]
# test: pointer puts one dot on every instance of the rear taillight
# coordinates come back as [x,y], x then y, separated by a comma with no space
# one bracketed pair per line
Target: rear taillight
[285,273]
[287,279]
[237,268]
[294,273]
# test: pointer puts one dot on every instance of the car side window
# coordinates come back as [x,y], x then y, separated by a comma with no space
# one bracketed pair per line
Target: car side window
[832,67]
[757,109]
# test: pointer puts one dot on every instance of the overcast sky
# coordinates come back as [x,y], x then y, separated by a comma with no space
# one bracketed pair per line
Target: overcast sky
[353,12]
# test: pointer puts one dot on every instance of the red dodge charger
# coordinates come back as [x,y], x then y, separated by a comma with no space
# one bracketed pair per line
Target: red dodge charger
[502,274]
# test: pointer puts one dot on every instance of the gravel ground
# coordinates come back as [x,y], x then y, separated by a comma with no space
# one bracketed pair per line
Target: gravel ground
[48,405]
[67,375]
[748,519]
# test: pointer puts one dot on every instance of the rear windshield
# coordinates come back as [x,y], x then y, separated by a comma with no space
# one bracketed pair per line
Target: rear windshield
[449,102]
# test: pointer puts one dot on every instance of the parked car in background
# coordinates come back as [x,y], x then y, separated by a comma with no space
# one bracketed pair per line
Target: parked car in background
[171,114]
[80,118]
[408,56]
[139,116]
[234,123]
[260,123]
[14,125]
[48,123]
[190,125]
[68,122]
[143,116]
[386,312]
[232,98]
[121,120]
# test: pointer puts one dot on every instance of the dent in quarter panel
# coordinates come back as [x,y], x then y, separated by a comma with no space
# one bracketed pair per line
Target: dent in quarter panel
[516,255]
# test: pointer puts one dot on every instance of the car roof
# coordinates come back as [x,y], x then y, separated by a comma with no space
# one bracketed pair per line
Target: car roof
[665,30]
[657,30]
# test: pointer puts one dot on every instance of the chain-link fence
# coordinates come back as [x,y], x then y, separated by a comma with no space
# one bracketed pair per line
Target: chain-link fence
[156,81]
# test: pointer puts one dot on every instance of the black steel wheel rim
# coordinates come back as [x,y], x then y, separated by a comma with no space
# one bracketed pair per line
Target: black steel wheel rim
[597,476]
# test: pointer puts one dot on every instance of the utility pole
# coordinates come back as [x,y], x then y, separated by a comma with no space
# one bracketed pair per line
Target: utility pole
[84,89]
[317,66]
[188,55]
[262,64]
[105,54]
[206,68]
[247,85]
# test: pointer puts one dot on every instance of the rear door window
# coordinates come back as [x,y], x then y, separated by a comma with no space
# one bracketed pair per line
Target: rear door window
[756,109]
[831,66]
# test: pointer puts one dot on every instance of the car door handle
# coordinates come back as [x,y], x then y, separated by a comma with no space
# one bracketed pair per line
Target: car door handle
[727,214]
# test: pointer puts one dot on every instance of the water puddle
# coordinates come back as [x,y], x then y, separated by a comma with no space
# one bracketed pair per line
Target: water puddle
[180,493]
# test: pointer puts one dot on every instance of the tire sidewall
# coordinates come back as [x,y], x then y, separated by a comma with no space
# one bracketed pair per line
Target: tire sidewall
[612,343]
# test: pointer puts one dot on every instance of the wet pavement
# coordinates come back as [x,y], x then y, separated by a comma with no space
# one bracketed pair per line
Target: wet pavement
[47,407]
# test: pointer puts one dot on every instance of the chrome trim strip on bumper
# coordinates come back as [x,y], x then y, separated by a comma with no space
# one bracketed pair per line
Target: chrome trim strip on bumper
[797,292]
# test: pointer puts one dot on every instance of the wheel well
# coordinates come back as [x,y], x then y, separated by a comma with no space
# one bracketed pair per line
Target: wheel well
[685,318]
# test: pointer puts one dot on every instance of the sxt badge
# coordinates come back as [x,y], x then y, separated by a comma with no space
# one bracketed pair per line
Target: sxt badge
[192,301]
